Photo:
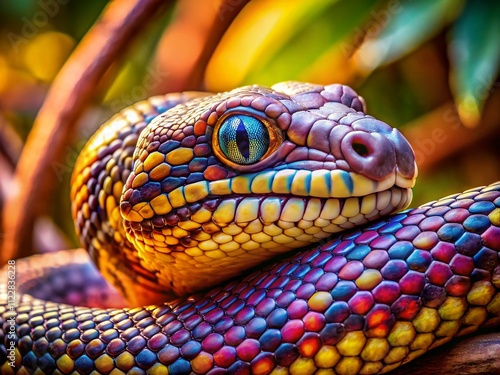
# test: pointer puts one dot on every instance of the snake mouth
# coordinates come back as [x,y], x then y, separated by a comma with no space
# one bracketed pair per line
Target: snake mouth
[320,183]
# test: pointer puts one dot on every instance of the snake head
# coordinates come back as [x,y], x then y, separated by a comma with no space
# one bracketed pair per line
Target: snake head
[225,182]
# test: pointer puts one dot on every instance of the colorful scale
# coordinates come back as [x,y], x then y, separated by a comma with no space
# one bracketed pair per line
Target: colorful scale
[361,304]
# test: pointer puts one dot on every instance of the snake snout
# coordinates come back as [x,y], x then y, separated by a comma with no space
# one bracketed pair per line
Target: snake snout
[376,150]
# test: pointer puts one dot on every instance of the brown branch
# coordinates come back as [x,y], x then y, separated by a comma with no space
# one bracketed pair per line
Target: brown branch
[473,355]
[189,42]
[72,89]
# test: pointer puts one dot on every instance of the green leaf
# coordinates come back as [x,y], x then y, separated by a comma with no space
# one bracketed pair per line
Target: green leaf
[411,24]
[314,33]
[474,53]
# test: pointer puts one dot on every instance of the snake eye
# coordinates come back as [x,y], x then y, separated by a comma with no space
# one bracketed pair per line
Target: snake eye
[243,139]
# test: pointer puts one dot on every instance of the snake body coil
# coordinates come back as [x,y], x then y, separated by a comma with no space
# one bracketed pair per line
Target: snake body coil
[178,203]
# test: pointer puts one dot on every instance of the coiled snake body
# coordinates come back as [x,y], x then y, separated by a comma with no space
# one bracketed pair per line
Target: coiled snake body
[179,193]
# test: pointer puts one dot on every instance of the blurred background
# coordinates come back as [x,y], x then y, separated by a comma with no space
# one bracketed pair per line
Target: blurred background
[428,67]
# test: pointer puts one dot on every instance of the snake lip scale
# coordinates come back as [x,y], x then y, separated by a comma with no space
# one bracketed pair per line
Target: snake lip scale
[178,193]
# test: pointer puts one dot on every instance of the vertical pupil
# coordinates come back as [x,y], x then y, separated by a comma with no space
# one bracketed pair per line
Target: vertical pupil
[242,139]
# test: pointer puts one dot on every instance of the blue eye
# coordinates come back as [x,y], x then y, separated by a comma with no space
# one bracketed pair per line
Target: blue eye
[243,139]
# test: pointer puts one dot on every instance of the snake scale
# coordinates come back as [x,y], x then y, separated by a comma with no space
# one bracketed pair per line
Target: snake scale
[177,194]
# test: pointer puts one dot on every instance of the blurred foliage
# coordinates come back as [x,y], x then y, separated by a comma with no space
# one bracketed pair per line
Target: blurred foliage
[407,58]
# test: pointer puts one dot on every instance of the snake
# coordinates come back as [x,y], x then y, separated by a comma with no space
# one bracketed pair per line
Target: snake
[262,230]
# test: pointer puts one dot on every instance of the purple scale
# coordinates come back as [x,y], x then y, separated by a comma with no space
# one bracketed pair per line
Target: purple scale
[214,316]
[270,340]
[426,240]
[358,253]
[443,252]
[337,312]
[268,281]
[438,211]
[231,298]
[457,286]
[256,297]
[488,196]
[480,275]
[343,247]
[375,259]
[297,309]
[292,285]
[279,283]
[244,316]
[456,215]
[292,331]
[335,264]
[155,343]
[202,330]
[412,283]
[116,346]
[309,257]
[344,290]
[351,270]
[208,307]
[265,307]
[225,357]
[332,333]
[172,327]
[462,203]
[235,307]
[486,259]
[190,349]
[300,272]
[248,349]
[413,219]
[277,318]
[180,337]
[390,228]
[223,324]
[386,292]
[330,245]
[361,302]
[352,234]
[469,244]
[168,354]
[235,335]
[491,238]
[147,332]
[439,273]
[285,299]
[255,327]
[383,242]
[306,290]
[313,275]
[321,259]
[366,237]
[394,269]
[462,265]
[419,260]
[408,233]
[212,342]
[326,282]
[246,293]
[432,223]
[274,293]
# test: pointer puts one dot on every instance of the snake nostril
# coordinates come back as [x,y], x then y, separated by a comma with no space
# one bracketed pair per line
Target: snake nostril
[360,149]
